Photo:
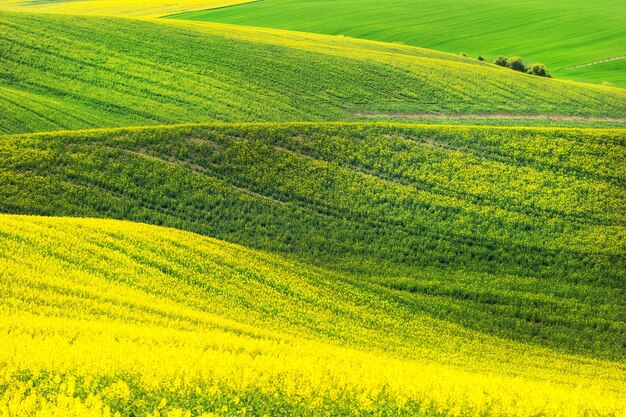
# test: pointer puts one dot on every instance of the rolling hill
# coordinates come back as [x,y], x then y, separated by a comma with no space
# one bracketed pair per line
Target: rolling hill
[517,233]
[71,72]
[201,219]
[101,317]
[560,33]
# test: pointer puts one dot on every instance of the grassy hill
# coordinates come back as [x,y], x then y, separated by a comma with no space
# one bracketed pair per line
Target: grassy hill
[64,72]
[559,33]
[517,233]
[107,317]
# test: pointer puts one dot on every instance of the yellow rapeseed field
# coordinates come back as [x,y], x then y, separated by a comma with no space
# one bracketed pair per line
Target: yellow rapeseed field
[131,8]
[111,318]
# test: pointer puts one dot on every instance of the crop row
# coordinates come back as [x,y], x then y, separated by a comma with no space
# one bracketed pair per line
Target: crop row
[98,72]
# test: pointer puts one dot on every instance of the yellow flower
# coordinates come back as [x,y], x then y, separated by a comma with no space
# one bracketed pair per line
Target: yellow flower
[162,404]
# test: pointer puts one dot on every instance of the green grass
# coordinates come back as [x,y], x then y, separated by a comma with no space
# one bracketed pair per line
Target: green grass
[559,33]
[514,232]
[615,71]
[63,72]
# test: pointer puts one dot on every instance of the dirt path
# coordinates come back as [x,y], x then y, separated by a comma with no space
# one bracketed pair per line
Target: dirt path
[596,62]
[492,116]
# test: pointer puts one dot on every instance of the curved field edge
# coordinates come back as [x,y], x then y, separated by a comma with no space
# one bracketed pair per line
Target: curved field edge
[516,232]
[73,72]
[101,316]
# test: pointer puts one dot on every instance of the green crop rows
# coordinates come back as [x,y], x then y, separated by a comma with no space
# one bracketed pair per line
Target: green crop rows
[60,72]
[560,33]
[432,213]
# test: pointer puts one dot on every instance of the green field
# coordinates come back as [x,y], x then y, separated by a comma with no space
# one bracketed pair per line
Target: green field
[430,213]
[293,208]
[57,72]
[600,73]
[560,33]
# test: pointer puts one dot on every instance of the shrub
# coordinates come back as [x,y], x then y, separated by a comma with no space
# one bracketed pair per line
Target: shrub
[538,69]
[501,60]
[481,58]
[516,63]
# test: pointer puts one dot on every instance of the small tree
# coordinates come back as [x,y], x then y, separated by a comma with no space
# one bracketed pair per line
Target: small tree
[516,63]
[481,58]
[501,60]
[538,69]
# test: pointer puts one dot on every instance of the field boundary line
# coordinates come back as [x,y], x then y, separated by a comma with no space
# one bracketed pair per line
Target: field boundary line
[601,61]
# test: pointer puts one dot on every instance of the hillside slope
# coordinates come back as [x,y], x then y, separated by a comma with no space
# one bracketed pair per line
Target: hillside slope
[519,233]
[64,72]
[549,32]
[100,316]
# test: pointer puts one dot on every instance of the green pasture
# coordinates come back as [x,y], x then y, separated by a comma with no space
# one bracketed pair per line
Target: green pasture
[559,33]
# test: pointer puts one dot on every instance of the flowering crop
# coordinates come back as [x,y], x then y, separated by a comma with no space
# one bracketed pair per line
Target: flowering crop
[134,8]
[102,317]
[513,232]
